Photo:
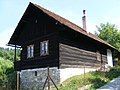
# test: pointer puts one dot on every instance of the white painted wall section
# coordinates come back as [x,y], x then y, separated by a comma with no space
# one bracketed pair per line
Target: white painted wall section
[69,72]
[109,58]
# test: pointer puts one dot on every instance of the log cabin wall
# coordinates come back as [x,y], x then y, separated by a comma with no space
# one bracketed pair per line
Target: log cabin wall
[72,57]
[75,57]
[75,50]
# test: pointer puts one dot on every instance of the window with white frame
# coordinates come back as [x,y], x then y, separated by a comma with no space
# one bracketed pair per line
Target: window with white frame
[44,48]
[30,51]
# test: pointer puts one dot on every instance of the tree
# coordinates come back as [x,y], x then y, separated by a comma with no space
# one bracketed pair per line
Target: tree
[109,33]
[7,74]
[8,54]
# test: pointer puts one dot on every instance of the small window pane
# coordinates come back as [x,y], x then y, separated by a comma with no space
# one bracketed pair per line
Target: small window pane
[44,48]
[30,51]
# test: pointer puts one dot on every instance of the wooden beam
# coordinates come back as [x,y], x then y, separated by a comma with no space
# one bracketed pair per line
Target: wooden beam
[11,45]
[48,78]
[15,54]
[18,80]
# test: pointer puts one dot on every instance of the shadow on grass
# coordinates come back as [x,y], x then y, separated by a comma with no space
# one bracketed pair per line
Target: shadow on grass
[97,83]
[113,73]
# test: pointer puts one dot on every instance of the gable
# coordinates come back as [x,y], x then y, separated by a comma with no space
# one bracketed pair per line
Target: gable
[33,24]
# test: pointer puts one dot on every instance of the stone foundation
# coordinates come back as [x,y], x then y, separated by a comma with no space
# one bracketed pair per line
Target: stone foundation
[34,79]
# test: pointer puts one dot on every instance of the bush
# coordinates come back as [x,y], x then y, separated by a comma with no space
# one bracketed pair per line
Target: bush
[7,74]
[97,83]
[113,73]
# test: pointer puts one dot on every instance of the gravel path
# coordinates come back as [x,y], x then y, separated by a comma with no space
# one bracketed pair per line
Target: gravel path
[112,85]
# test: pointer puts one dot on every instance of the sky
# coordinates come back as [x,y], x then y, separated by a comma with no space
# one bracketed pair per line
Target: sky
[97,11]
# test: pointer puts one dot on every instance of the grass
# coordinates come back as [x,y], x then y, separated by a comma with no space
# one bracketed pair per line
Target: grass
[95,79]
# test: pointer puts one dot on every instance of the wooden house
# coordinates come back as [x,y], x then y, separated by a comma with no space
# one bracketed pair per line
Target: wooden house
[47,39]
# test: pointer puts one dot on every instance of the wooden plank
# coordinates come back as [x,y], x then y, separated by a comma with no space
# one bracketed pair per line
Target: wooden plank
[18,80]
[75,50]
[79,56]
[79,66]
[67,59]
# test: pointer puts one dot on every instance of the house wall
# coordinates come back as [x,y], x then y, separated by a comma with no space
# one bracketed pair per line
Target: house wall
[52,46]
[37,28]
[38,61]
[70,56]
[75,61]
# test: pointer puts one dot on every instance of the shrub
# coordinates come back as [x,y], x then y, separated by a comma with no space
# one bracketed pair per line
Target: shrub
[97,83]
[113,73]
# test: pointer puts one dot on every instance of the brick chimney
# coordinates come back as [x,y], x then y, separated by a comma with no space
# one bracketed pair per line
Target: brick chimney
[84,20]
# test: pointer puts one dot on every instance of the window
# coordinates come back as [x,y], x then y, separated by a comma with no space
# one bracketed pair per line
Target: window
[44,48]
[30,51]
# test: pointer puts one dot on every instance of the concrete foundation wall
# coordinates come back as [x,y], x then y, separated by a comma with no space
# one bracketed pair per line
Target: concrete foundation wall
[69,72]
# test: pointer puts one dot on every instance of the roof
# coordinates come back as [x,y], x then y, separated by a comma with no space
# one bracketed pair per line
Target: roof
[72,25]
[68,24]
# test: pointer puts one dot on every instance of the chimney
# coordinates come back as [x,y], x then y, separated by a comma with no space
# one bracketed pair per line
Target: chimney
[84,20]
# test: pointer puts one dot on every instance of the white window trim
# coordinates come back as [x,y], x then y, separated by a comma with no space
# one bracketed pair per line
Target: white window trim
[47,51]
[31,55]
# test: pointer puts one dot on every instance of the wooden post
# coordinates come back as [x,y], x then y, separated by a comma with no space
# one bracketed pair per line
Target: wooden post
[15,54]
[84,75]
[54,83]
[118,56]
[48,79]
[84,70]
[18,80]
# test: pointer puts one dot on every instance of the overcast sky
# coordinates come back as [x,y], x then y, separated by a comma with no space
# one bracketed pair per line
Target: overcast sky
[97,11]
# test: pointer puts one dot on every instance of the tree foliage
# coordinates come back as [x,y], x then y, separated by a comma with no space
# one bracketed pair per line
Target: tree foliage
[8,54]
[110,34]
[7,73]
